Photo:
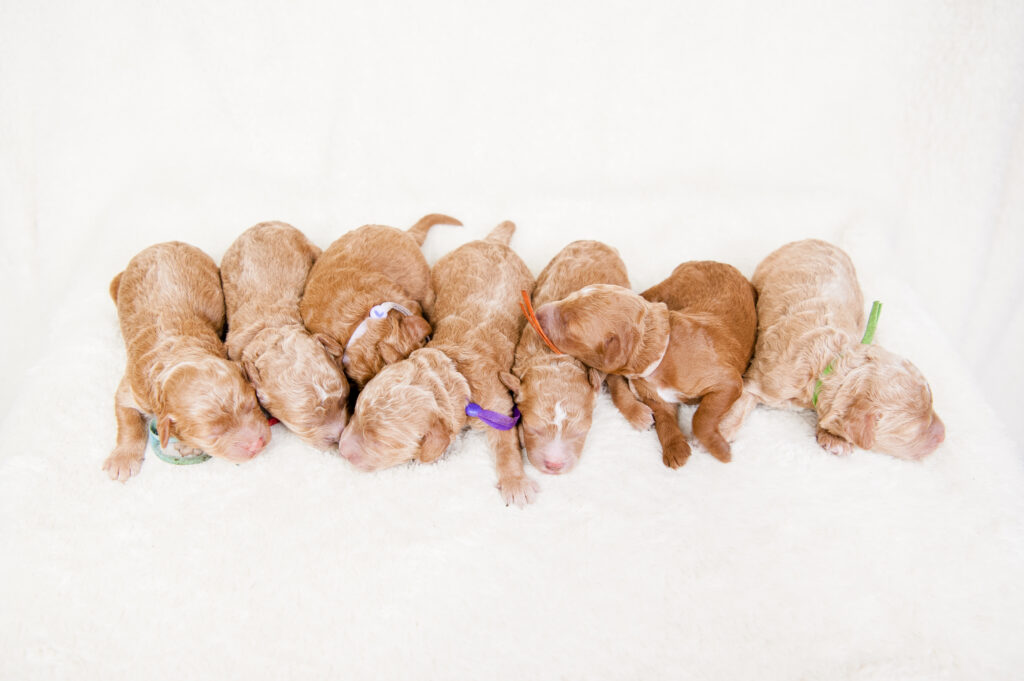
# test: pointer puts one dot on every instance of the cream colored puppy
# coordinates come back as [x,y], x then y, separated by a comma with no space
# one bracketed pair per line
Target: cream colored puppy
[295,374]
[171,310]
[809,356]
[413,409]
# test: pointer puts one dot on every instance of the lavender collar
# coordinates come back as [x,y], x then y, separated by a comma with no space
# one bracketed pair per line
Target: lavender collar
[379,311]
[493,418]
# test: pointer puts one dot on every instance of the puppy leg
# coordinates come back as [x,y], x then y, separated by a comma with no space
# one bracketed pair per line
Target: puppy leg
[833,443]
[675,450]
[636,412]
[515,487]
[713,406]
[126,459]
[738,412]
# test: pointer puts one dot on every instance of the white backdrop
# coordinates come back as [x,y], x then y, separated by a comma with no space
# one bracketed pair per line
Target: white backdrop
[673,130]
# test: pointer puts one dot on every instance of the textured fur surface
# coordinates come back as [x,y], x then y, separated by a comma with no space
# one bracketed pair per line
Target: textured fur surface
[296,375]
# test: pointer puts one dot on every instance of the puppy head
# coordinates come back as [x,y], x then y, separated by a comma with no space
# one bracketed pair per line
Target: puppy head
[885,404]
[601,325]
[298,381]
[385,341]
[556,400]
[207,403]
[411,411]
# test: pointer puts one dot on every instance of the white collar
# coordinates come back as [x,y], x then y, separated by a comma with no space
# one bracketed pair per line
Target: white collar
[379,311]
[656,363]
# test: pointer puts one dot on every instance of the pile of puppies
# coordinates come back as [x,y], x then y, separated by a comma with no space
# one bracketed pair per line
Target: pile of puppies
[432,350]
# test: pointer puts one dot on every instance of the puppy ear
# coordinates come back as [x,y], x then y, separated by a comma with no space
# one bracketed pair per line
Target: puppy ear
[618,346]
[415,328]
[511,382]
[163,429]
[332,346]
[389,353]
[596,378]
[860,427]
[434,443]
[251,372]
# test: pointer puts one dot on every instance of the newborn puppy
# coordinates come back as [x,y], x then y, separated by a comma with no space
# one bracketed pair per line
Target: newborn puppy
[295,374]
[556,393]
[687,338]
[811,316]
[367,292]
[413,409]
[171,309]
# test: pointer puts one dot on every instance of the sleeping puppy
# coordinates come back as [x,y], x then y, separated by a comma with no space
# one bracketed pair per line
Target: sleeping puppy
[687,338]
[556,394]
[295,374]
[811,316]
[367,292]
[413,409]
[171,309]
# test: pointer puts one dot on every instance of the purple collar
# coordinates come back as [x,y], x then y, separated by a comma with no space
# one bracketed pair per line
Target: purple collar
[493,418]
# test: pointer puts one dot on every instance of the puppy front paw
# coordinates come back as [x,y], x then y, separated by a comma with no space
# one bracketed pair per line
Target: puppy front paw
[639,415]
[186,450]
[121,464]
[518,491]
[833,443]
[675,453]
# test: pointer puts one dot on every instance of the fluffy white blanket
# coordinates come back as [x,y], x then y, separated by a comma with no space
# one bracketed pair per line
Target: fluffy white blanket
[787,563]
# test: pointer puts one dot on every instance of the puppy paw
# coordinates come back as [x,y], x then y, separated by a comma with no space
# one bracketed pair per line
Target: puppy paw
[718,447]
[675,453]
[121,464]
[639,416]
[518,491]
[833,443]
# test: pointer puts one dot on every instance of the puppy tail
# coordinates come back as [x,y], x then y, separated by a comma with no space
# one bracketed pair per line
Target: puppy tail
[502,233]
[114,285]
[420,229]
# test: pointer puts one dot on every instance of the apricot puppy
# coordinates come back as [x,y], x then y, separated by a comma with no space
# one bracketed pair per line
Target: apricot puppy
[367,292]
[296,376]
[556,393]
[810,317]
[413,409]
[687,338]
[171,310]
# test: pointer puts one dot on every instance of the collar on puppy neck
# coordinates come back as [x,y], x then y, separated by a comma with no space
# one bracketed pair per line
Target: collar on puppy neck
[656,363]
[493,418]
[869,335]
[379,311]
[527,307]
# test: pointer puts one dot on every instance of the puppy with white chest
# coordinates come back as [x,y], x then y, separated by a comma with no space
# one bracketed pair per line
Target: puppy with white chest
[171,310]
[413,409]
[296,374]
[368,292]
[557,392]
[687,338]
[810,355]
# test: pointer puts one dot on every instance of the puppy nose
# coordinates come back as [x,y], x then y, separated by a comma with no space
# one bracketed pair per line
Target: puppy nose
[254,446]
[554,464]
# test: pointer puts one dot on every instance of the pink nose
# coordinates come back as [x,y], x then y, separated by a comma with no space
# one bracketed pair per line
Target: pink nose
[554,464]
[254,446]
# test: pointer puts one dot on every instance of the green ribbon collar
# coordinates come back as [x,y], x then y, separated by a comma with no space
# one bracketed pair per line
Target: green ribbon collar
[869,335]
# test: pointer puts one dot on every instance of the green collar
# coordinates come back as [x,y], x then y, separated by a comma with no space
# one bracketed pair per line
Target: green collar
[869,335]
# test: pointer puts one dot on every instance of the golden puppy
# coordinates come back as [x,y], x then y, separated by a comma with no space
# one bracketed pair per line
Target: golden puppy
[295,374]
[687,338]
[171,309]
[811,317]
[413,409]
[368,291]
[557,392]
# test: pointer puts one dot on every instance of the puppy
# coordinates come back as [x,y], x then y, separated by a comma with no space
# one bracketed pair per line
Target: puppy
[296,376]
[811,317]
[687,338]
[367,292]
[171,309]
[414,409]
[556,393]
